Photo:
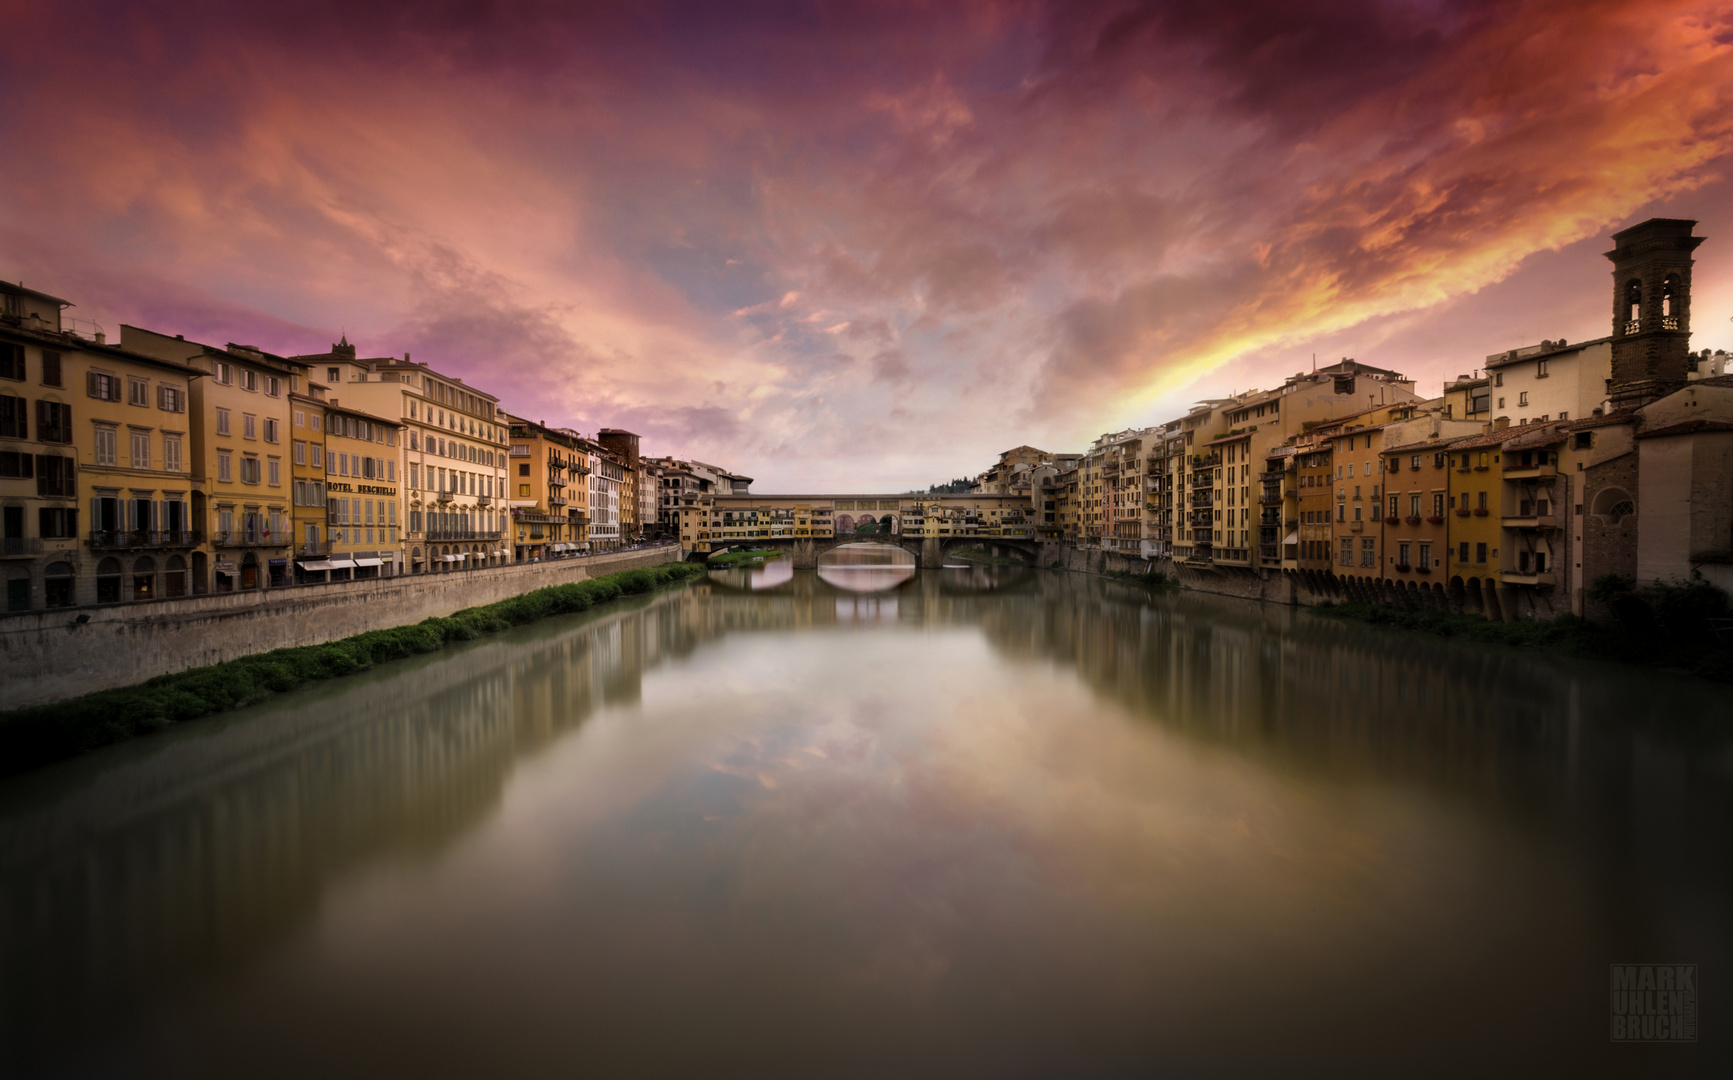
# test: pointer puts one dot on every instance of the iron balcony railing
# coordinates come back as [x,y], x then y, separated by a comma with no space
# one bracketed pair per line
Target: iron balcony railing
[20,545]
[467,534]
[248,538]
[123,539]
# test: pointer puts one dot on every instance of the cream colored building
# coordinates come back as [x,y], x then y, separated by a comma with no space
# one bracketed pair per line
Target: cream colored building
[453,454]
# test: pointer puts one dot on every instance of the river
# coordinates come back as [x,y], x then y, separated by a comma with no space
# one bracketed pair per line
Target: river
[983,821]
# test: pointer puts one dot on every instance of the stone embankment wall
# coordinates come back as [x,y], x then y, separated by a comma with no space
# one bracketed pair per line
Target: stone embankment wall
[49,655]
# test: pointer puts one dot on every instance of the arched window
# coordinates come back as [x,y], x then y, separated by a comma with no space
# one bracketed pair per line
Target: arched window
[18,588]
[1633,305]
[144,578]
[1613,505]
[1670,302]
[57,585]
[174,581]
[108,581]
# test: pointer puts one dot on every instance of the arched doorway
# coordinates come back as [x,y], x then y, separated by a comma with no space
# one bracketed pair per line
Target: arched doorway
[108,581]
[174,580]
[144,578]
[249,571]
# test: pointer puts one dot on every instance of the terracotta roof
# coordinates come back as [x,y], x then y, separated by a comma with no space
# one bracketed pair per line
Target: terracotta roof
[1429,444]
[1500,437]
[1511,357]
[1619,416]
[1689,427]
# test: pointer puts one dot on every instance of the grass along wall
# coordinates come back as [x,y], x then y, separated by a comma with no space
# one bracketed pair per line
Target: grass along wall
[34,736]
[50,655]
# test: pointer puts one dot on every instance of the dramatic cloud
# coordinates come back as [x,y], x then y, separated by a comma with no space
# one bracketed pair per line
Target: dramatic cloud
[862,245]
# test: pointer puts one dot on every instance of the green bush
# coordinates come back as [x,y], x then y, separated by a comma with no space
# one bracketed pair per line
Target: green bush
[44,733]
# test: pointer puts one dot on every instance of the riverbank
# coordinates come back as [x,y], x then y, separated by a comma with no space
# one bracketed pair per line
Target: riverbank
[37,735]
[1685,644]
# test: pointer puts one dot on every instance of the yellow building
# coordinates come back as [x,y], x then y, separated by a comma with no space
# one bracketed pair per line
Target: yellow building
[84,425]
[240,447]
[312,546]
[1476,484]
[363,506]
[547,486]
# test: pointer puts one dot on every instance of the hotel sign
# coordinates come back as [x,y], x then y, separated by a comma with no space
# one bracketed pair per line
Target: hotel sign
[359,489]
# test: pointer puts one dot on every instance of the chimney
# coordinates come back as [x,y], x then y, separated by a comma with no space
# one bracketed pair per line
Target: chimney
[101,338]
[1501,423]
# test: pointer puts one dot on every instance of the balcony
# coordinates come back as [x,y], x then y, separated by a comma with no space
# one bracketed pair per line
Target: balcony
[466,534]
[1529,521]
[130,539]
[444,497]
[245,538]
[1669,322]
[1268,499]
[1632,326]
[1356,526]
[1524,472]
[15,546]
[313,548]
[1526,577]
[1203,498]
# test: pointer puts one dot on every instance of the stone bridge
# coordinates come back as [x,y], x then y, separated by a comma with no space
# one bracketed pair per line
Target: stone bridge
[929,551]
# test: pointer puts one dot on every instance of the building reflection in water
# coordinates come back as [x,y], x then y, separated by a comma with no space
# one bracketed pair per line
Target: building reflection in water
[167,866]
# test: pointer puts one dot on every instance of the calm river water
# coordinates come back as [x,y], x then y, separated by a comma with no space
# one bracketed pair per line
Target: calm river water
[869,822]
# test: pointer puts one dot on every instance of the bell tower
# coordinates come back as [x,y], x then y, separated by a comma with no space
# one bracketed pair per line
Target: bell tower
[1651,309]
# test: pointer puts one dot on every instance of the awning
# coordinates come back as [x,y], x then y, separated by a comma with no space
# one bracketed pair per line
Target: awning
[445,558]
[1291,538]
[342,562]
[559,547]
[366,562]
[314,564]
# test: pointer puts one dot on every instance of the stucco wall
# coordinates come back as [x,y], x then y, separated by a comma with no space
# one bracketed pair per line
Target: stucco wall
[48,655]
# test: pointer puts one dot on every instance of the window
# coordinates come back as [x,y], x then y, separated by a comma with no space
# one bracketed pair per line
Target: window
[249,380]
[225,465]
[249,469]
[171,399]
[1501,403]
[1522,399]
[249,426]
[1540,369]
[223,373]
[1438,504]
[300,418]
[1394,509]
[13,464]
[54,476]
[1480,553]
[102,387]
[1347,551]
[273,386]
[222,421]
[105,445]
[53,422]
[14,417]
[271,430]
[391,470]
[141,449]
[1402,555]
[1425,556]
[171,453]
[1498,380]
[300,452]
[1414,506]
[57,523]
[51,368]
[523,491]
[1368,552]
[523,470]
[137,391]
[315,421]
[1414,463]
[275,472]
[11,361]
[317,456]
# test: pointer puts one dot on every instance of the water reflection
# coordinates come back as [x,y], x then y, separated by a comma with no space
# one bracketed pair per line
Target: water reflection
[1034,826]
[866,568]
[755,576]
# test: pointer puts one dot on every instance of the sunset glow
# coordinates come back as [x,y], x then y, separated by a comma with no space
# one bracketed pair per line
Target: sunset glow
[847,247]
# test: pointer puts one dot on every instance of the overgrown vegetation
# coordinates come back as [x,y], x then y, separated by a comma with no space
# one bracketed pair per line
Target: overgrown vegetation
[1683,626]
[34,736]
[953,487]
[751,555]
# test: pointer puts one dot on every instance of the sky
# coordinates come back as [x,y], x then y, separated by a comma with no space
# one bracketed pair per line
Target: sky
[864,246]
